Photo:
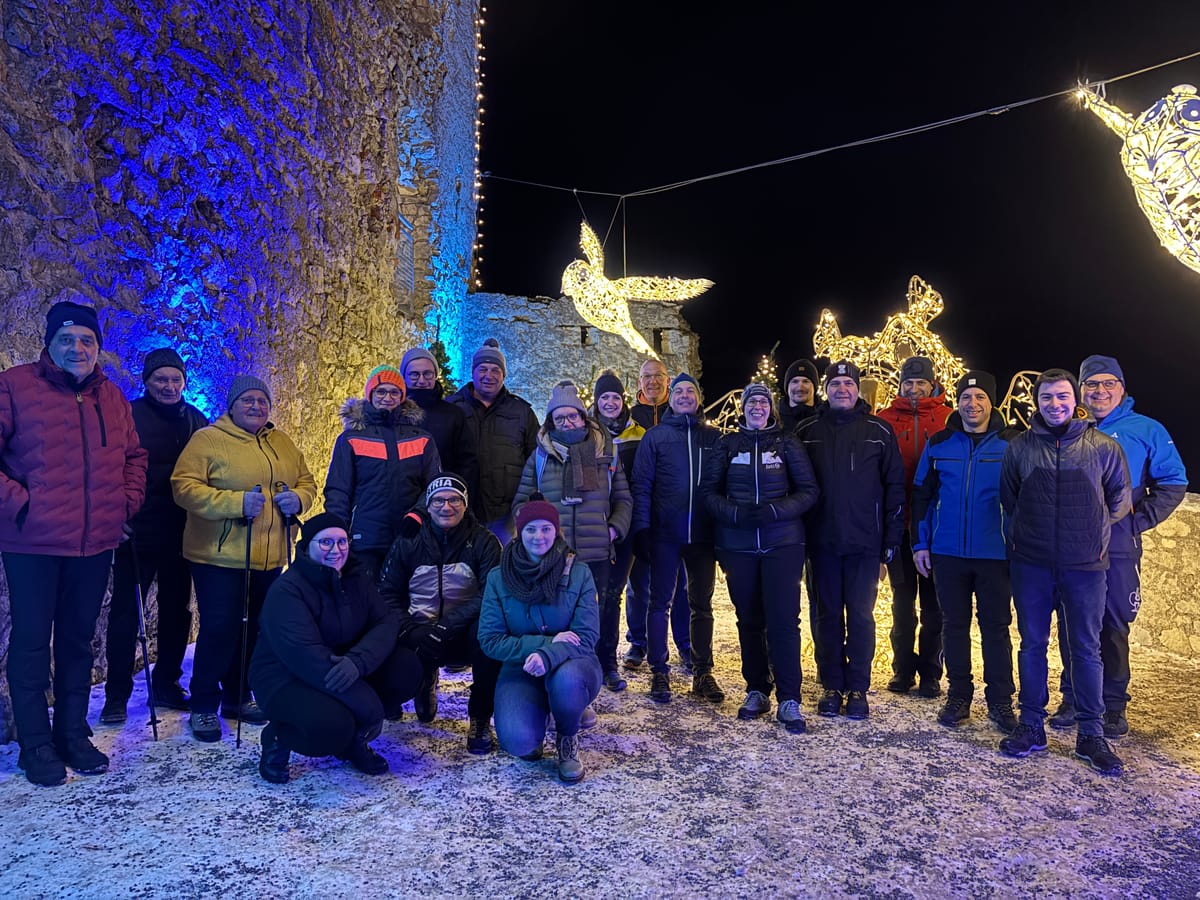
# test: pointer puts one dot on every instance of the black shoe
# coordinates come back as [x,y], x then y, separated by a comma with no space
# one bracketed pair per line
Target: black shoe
[660,687]
[426,701]
[930,688]
[249,713]
[1002,715]
[756,704]
[42,766]
[706,688]
[1094,751]
[830,704]
[1115,724]
[114,712]
[1024,740]
[856,705]
[1064,716]
[902,684]
[614,682]
[479,737]
[634,657]
[82,756]
[365,759]
[957,709]
[790,717]
[171,696]
[273,763]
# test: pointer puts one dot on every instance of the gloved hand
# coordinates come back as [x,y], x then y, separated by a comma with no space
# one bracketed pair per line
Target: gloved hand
[288,502]
[253,503]
[414,638]
[343,674]
[642,545]
[410,525]
[434,643]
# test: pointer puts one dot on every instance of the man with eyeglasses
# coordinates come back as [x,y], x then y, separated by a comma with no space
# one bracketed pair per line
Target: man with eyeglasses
[446,421]
[505,430]
[434,579]
[1159,483]
[380,465]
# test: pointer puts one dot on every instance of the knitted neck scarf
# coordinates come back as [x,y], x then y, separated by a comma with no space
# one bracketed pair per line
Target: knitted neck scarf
[529,580]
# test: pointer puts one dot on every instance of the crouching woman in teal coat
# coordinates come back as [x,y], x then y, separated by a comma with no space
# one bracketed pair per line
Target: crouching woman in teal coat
[540,618]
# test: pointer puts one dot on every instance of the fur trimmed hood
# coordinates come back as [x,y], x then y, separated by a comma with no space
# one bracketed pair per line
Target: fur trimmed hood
[357,413]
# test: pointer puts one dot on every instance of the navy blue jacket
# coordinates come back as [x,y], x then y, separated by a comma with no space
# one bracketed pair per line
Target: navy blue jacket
[505,434]
[455,440]
[956,492]
[666,480]
[861,477]
[764,471]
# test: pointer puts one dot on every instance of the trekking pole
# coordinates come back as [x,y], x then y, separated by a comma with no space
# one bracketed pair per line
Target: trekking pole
[141,608]
[245,626]
[288,522]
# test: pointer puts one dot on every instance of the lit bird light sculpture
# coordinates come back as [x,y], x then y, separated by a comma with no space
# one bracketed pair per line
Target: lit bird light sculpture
[604,302]
[1161,156]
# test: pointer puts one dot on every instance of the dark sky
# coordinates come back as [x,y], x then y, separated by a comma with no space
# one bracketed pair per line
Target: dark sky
[1024,221]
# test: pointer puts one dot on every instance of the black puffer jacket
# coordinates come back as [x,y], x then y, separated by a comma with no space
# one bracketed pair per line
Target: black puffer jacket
[311,613]
[764,471]
[447,422]
[791,416]
[380,466]
[163,431]
[666,480]
[861,476]
[505,434]
[1061,495]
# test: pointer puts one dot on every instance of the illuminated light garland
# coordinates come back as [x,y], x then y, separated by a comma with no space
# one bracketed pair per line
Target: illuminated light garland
[604,302]
[1161,156]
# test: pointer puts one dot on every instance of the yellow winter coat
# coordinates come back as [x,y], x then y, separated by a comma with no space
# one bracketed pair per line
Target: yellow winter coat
[221,463]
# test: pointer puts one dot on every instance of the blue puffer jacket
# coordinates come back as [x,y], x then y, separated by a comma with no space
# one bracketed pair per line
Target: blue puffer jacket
[1156,473]
[956,492]
[666,480]
[765,468]
[1061,495]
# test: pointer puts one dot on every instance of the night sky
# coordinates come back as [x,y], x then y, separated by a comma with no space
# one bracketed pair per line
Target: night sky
[1025,221]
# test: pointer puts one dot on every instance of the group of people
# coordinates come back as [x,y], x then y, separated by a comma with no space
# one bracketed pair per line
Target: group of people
[463,531]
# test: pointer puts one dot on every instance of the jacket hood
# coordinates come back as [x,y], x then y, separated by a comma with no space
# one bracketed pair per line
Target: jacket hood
[225,423]
[1075,427]
[598,438]
[357,413]
[903,404]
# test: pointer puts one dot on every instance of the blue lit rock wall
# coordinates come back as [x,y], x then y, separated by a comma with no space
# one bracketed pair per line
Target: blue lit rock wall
[281,188]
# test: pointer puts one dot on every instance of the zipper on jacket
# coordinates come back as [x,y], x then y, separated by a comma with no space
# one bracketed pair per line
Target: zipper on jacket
[966,522]
[691,490]
[87,492]
[757,460]
[103,430]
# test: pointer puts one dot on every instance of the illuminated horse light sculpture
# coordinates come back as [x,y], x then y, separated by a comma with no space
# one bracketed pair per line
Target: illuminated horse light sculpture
[1161,156]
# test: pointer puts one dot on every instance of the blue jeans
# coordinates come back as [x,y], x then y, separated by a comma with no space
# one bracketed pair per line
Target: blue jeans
[637,605]
[523,701]
[1037,590]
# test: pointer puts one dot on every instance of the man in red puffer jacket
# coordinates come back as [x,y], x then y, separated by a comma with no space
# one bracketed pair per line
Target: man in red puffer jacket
[71,475]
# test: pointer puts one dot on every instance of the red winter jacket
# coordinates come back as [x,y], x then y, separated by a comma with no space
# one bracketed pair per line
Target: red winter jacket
[71,469]
[915,422]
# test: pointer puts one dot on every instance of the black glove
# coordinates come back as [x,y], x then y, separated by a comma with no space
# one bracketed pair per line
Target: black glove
[415,636]
[410,525]
[433,645]
[343,674]
[642,545]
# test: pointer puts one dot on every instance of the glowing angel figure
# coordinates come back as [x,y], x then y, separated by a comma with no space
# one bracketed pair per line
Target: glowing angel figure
[1161,156]
[604,302]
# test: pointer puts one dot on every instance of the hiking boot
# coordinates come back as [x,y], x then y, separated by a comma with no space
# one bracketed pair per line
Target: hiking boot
[273,763]
[82,756]
[634,657]
[1024,740]
[1002,714]
[170,696]
[685,662]
[901,683]
[957,709]
[457,670]
[114,712]
[830,704]
[1094,751]
[365,759]
[1064,716]
[249,713]
[614,682]
[660,687]
[205,727]
[756,704]
[426,701]
[1115,724]
[570,769]
[930,688]
[706,688]
[587,719]
[42,766]
[856,705]
[790,716]
[479,737]
[534,755]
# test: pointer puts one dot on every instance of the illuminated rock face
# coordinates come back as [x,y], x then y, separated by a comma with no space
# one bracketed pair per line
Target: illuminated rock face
[277,188]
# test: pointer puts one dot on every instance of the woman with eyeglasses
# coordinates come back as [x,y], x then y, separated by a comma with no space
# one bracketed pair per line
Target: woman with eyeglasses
[576,467]
[380,465]
[327,668]
[757,485]
[242,482]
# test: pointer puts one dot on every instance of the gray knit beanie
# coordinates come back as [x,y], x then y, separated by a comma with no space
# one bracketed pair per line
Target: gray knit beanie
[419,353]
[243,383]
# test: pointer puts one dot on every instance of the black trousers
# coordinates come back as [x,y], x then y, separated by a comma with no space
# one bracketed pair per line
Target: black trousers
[701,563]
[465,650]
[907,583]
[59,596]
[987,583]
[765,590]
[847,586]
[315,723]
[174,595]
[610,604]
